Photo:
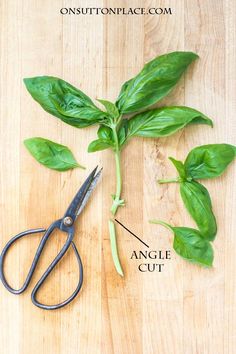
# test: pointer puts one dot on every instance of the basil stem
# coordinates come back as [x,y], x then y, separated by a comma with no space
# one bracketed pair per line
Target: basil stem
[159,222]
[172,180]
[116,200]
[114,251]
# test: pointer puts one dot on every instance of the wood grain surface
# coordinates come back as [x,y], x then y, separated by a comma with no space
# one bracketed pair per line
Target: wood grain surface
[182,310]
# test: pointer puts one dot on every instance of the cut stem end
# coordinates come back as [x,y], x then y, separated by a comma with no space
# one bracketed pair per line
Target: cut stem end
[114,250]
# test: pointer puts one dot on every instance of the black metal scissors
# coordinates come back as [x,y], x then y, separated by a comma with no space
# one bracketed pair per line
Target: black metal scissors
[64,224]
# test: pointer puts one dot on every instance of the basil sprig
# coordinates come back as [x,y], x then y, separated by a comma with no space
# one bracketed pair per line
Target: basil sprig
[150,85]
[206,161]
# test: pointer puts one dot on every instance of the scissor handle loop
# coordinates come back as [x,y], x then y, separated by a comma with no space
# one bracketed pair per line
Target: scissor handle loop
[33,265]
[48,271]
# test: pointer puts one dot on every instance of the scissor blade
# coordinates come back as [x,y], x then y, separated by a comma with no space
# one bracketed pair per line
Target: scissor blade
[89,191]
[80,199]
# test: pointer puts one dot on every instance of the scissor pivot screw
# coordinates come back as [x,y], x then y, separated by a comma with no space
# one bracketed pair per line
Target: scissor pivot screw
[68,221]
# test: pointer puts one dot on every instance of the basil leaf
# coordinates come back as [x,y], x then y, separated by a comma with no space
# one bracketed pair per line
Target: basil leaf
[111,108]
[64,101]
[163,121]
[179,166]
[190,245]
[99,144]
[50,154]
[209,161]
[104,133]
[155,81]
[105,140]
[198,202]
[122,93]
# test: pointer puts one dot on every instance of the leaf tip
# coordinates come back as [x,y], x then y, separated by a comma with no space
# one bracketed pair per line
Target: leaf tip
[90,147]
[26,81]
[194,55]
[26,142]
[80,166]
[211,123]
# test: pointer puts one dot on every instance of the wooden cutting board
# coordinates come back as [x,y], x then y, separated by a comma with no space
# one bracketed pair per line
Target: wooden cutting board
[183,309]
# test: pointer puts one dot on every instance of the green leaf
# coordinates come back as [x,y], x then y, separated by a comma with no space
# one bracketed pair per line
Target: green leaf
[50,154]
[123,131]
[179,167]
[208,161]
[122,94]
[114,250]
[190,245]
[111,108]
[155,81]
[104,133]
[105,140]
[163,121]
[64,101]
[99,144]
[198,202]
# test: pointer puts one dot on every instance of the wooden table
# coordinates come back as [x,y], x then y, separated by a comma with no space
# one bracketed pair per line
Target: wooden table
[184,309]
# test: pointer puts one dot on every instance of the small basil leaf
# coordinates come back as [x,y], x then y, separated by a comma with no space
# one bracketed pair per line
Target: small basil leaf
[198,202]
[190,245]
[50,154]
[163,121]
[104,133]
[64,101]
[99,144]
[111,108]
[179,167]
[155,81]
[104,141]
[209,161]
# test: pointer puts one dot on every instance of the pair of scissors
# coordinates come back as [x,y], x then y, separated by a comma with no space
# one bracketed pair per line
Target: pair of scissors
[65,224]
